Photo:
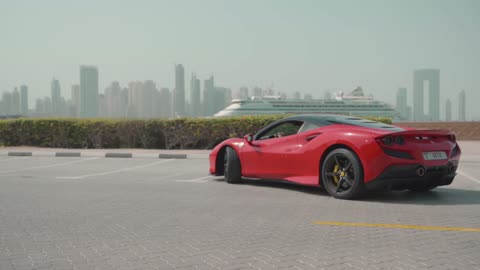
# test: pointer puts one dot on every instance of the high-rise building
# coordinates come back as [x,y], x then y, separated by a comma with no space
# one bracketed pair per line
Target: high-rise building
[195,96]
[257,91]
[7,103]
[135,92]
[23,100]
[402,103]
[242,93]
[179,95]
[76,99]
[102,106]
[15,102]
[165,101]
[88,91]
[39,106]
[297,95]
[113,100]
[448,110]
[147,101]
[461,106]
[56,97]
[228,97]
[209,97]
[432,76]
[43,107]
[219,99]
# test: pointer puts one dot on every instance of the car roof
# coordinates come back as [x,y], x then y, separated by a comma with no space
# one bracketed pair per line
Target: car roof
[329,119]
[321,118]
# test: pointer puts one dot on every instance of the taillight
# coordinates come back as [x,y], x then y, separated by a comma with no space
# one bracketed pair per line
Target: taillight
[389,140]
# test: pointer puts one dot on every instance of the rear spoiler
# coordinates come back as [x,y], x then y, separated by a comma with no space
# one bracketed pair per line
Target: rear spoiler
[424,132]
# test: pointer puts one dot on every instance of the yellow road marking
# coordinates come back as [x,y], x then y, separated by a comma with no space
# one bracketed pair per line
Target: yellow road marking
[397,226]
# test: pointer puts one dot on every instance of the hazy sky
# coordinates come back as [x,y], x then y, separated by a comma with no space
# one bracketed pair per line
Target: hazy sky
[305,45]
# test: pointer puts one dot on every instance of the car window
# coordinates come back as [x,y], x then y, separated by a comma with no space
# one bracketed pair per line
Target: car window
[308,126]
[281,130]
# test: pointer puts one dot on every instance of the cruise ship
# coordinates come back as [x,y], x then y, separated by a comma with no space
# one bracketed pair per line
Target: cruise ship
[354,103]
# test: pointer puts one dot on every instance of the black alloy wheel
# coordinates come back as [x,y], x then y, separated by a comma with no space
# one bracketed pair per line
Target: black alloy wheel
[342,174]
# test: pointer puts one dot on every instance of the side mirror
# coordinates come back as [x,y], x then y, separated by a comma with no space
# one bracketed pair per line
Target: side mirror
[248,138]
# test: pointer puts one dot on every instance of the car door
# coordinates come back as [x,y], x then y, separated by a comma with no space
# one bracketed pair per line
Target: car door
[270,155]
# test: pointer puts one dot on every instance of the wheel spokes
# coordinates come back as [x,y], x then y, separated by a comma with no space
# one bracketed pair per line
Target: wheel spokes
[340,176]
[348,180]
[337,162]
[348,166]
[339,185]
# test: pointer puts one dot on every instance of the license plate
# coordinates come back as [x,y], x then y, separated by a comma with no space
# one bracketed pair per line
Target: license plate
[437,155]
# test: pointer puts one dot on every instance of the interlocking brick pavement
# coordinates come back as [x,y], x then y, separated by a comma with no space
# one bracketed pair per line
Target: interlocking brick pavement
[144,219]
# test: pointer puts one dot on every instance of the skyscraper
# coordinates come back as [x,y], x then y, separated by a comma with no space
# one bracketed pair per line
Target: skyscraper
[15,102]
[243,93]
[448,110]
[461,106]
[24,100]
[55,97]
[7,103]
[147,101]
[165,103]
[113,98]
[433,78]
[179,95]
[88,91]
[257,91]
[135,90]
[402,103]
[209,97]
[195,96]
[76,99]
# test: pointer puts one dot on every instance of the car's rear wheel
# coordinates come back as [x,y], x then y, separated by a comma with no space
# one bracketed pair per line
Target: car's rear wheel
[342,174]
[232,167]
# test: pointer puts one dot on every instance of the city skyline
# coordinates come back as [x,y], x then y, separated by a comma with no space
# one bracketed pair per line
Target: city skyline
[145,100]
[393,101]
[306,46]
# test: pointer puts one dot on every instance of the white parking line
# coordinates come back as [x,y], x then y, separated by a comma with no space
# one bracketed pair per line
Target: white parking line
[47,166]
[468,176]
[197,180]
[115,171]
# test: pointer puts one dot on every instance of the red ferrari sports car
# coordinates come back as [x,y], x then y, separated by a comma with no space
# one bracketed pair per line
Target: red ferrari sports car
[346,155]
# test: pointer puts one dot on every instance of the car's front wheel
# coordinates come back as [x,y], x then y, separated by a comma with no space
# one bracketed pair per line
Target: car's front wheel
[232,167]
[342,174]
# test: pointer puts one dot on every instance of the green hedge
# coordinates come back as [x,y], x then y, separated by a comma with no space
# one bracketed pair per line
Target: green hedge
[183,133]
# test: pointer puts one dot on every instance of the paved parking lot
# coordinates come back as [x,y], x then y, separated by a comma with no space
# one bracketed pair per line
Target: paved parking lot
[146,213]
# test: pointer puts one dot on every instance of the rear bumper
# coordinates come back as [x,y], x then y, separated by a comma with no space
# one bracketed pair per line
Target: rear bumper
[398,177]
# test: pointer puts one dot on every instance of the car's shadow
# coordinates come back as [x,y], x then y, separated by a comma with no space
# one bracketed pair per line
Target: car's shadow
[281,185]
[438,196]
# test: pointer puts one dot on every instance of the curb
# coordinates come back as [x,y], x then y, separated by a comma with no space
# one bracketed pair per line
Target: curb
[104,155]
[19,154]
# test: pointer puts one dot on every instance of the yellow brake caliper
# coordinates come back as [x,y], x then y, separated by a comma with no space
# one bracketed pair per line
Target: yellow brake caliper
[335,177]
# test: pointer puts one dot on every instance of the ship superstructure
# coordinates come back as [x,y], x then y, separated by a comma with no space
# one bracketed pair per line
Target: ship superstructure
[355,103]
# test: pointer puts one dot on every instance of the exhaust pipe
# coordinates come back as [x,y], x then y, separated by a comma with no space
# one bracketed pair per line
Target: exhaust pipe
[420,171]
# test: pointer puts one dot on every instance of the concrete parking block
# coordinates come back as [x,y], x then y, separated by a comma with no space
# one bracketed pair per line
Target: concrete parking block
[20,154]
[174,156]
[67,154]
[118,155]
